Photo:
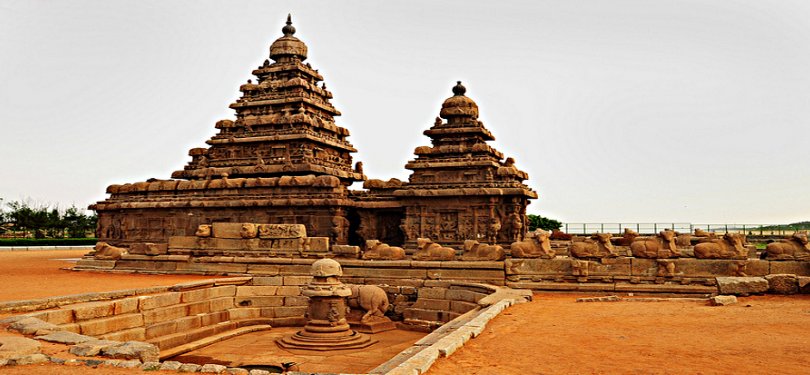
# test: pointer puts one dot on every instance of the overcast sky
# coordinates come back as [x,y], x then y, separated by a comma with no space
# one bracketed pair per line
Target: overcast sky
[620,111]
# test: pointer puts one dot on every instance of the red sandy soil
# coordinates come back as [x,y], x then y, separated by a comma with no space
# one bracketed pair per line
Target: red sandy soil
[38,274]
[551,335]
[556,335]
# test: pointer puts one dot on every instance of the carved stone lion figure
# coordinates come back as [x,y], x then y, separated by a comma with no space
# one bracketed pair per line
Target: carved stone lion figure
[203,231]
[429,250]
[597,246]
[248,230]
[794,247]
[537,245]
[370,298]
[661,246]
[105,251]
[730,246]
[379,251]
[477,251]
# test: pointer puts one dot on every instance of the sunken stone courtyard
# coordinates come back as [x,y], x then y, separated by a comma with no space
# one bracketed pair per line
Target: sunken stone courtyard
[296,272]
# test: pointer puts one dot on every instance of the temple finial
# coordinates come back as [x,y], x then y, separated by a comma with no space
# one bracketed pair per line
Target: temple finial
[288,30]
[459,89]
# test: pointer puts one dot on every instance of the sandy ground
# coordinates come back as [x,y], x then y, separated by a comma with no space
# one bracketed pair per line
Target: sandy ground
[551,335]
[556,335]
[37,274]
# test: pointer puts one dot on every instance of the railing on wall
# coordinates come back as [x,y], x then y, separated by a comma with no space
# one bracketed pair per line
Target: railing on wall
[652,228]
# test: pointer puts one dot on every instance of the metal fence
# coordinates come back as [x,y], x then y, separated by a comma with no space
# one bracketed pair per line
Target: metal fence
[652,228]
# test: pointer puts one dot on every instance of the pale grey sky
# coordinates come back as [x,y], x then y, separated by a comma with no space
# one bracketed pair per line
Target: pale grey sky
[631,111]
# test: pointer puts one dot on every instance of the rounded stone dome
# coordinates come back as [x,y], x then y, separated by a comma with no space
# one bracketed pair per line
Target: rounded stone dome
[288,45]
[459,105]
[325,268]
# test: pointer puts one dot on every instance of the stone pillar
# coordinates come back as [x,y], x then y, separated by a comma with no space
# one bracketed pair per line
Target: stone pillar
[327,328]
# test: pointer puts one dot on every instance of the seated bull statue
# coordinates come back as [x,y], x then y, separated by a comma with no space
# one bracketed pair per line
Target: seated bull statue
[597,246]
[683,239]
[478,251]
[661,246]
[105,251]
[730,246]
[426,249]
[370,298]
[626,239]
[702,233]
[377,250]
[537,245]
[557,234]
[203,230]
[794,247]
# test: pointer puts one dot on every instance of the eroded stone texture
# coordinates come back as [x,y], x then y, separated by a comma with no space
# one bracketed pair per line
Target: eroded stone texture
[13,346]
[782,284]
[742,286]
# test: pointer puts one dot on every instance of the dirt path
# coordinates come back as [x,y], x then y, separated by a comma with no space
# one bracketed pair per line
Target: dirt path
[556,335]
[37,274]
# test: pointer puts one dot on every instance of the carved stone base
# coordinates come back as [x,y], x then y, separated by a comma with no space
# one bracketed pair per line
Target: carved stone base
[322,341]
[375,324]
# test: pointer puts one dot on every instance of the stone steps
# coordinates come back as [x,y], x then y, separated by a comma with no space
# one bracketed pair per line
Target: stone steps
[212,339]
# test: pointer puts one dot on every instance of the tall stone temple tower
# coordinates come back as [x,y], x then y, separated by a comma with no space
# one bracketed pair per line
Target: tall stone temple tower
[284,160]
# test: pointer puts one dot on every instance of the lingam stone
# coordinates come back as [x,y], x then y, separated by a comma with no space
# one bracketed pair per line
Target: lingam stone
[327,327]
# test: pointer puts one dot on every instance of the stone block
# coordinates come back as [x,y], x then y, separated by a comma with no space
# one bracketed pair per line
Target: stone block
[89,263]
[189,367]
[782,284]
[71,327]
[214,318]
[259,301]
[29,359]
[126,305]
[200,307]
[170,366]
[160,329]
[790,267]
[346,251]
[90,348]
[432,293]
[432,304]
[223,291]
[463,295]
[64,337]
[245,313]
[163,314]
[255,291]
[275,280]
[132,334]
[213,369]
[222,303]
[189,322]
[297,280]
[133,350]
[227,230]
[195,295]
[263,269]
[92,310]
[159,300]
[385,272]
[555,266]
[289,290]
[13,346]
[101,326]
[742,286]
[722,300]
[462,307]
[56,316]
[293,321]
[183,242]
[287,312]
[318,244]
[296,301]
[294,269]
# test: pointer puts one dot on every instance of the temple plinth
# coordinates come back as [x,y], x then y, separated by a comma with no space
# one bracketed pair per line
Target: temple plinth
[327,327]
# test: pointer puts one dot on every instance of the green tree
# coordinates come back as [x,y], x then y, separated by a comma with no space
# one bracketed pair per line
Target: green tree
[544,223]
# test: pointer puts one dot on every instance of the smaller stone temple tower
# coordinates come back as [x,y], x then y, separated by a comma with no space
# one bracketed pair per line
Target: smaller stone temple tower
[460,188]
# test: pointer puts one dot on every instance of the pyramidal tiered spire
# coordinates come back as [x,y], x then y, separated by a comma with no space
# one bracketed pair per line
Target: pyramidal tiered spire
[460,155]
[284,125]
